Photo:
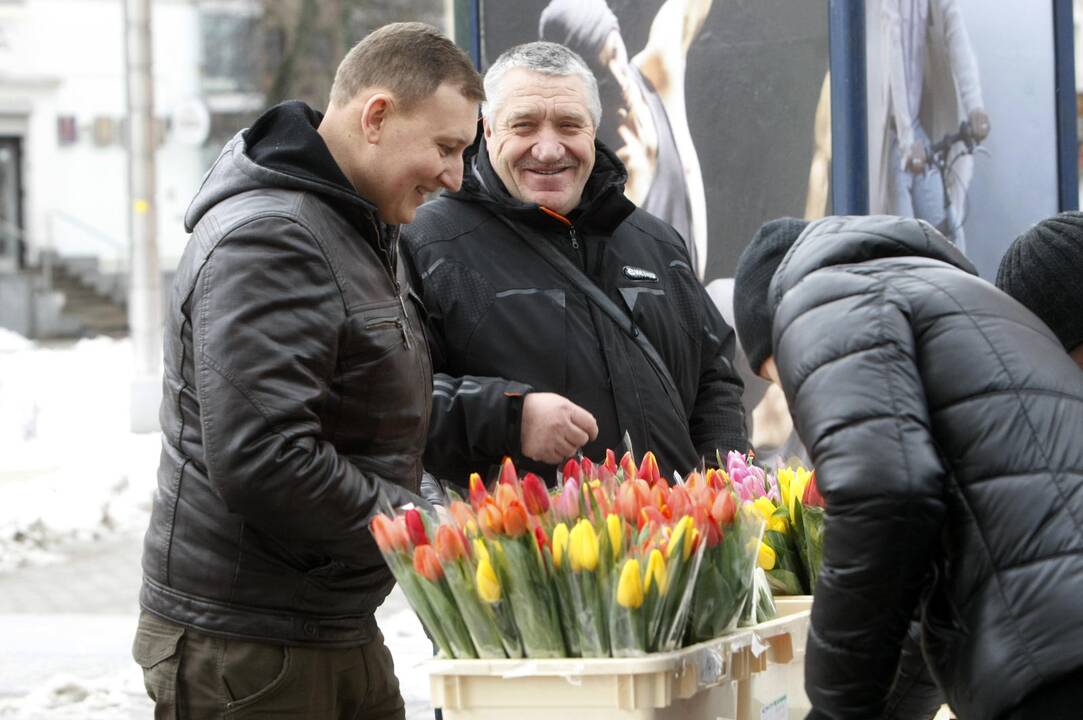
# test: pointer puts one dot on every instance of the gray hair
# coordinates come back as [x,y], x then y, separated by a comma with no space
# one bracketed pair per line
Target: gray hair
[547,58]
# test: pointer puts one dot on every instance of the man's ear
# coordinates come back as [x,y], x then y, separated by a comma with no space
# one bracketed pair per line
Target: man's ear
[374,114]
[486,128]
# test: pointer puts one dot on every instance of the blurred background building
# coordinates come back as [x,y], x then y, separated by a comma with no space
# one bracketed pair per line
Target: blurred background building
[64,206]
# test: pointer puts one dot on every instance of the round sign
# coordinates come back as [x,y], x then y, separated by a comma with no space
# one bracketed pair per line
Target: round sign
[192,122]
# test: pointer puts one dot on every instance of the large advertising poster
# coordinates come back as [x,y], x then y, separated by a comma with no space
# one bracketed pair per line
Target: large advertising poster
[718,108]
[962,118]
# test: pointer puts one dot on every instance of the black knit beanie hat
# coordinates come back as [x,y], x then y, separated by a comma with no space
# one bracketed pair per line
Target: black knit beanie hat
[1041,270]
[752,315]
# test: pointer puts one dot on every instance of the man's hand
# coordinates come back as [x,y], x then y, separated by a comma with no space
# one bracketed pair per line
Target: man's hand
[554,427]
[979,124]
[914,161]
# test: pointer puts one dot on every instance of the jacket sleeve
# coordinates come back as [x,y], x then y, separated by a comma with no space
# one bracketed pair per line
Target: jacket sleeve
[897,73]
[475,421]
[847,362]
[964,67]
[266,317]
[718,415]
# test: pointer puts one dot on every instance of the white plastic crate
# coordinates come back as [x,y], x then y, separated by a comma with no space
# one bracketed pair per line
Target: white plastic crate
[775,690]
[700,682]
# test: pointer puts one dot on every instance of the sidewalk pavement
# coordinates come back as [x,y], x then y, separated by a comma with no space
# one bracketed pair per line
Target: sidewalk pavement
[67,629]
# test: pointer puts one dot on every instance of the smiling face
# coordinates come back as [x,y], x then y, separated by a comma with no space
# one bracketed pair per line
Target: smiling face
[541,138]
[393,158]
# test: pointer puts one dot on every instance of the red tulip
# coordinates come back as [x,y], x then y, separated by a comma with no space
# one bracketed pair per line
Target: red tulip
[515,519]
[491,519]
[572,471]
[507,473]
[535,494]
[706,526]
[587,468]
[415,527]
[715,478]
[478,493]
[812,494]
[723,508]
[540,537]
[427,564]
[648,469]
[450,544]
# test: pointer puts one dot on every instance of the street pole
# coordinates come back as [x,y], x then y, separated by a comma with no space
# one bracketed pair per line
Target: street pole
[144,293]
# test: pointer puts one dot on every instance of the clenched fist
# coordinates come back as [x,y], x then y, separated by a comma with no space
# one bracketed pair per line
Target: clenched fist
[554,427]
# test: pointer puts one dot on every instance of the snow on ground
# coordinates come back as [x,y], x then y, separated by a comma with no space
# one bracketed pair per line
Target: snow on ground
[74,478]
[70,470]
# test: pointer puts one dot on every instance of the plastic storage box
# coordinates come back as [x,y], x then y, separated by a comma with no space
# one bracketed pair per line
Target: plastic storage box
[707,681]
[776,688]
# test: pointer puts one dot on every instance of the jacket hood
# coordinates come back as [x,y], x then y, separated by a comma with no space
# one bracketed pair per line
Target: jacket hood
[603,203]
[847,240]
[281,150]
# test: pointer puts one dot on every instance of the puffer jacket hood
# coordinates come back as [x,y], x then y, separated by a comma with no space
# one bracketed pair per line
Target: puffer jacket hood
[857,239]
[281,150]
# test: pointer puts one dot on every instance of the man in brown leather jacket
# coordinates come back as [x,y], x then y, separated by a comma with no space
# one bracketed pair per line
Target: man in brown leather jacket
[297,392]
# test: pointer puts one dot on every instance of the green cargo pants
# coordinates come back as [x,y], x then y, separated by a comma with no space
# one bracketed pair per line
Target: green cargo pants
[191,675]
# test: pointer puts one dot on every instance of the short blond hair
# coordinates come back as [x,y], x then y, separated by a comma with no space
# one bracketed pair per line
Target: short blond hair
[410,60]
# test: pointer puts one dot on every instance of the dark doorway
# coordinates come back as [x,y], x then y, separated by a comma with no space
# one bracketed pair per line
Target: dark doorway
[12,247]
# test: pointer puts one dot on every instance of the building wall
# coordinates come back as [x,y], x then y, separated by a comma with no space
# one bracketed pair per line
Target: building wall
[65,59]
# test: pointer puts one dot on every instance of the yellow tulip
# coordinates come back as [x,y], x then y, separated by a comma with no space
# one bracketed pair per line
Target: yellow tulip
[766,557]
[656,572]
[481,551]
[488,585]
[679,530]
[785,479]
[583,547]
[560,544]
[797,490]
[616,534]
[630,586]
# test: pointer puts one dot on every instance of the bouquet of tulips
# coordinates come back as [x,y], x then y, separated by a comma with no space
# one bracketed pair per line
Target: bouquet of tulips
[613,562]
[791,506]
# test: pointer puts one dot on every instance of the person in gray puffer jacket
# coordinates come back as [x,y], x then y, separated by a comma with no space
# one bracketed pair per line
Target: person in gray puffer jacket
[297,392]
[945,422]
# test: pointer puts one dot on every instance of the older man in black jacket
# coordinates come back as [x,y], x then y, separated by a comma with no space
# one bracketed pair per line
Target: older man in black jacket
[946,425]
[517,270]
[297,392]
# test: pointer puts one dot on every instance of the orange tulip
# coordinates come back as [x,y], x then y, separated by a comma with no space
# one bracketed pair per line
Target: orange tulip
[627,502]
[723,508]
[610,463]
[680,503]
[463,516]
[427,564]
[490,519]
[505,494]
[628,465]
[648,469]
[389,537]
[535,494]
[514,517]
[450,544]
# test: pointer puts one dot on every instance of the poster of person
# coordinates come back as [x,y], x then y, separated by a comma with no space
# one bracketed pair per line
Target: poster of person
[962,118]
[718,108]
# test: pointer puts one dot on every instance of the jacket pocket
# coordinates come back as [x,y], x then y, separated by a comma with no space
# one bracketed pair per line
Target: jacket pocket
[373,334]
[156,649]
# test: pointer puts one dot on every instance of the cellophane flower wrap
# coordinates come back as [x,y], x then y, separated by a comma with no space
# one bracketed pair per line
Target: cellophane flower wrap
[612,561]
[778,552]
[732,532]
